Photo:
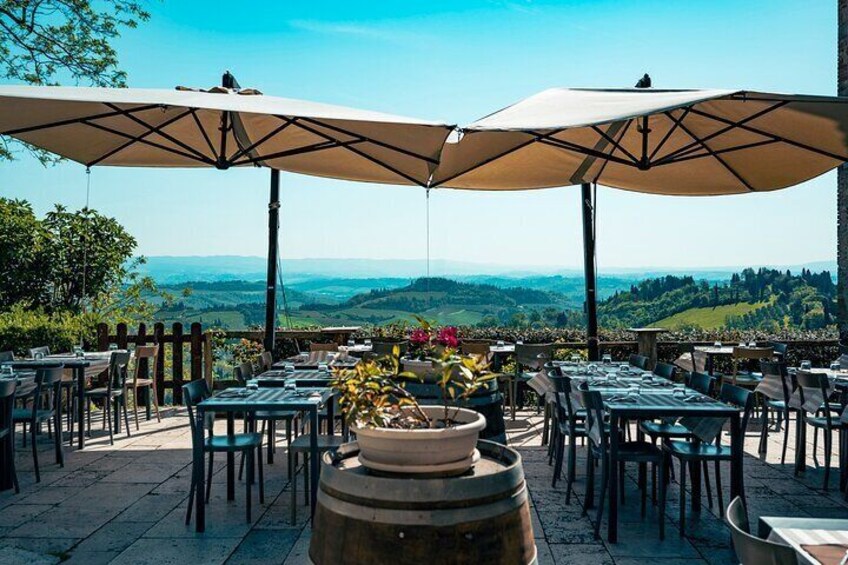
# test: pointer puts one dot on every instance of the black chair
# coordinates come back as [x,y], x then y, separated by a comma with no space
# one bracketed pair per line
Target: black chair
[639,361]
[266,361]
[7,428]
[665,371]
[640,452]
[46,408]
[694,452]
[780,350]
[39,352]
[69,386]
[750,549]
[813,385]
[246,444]
[7,356]
[385,348]
[529,359]
[776,389]
[568,423]
[113,396]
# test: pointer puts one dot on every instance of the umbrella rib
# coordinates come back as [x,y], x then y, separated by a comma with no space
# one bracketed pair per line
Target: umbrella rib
[203,133]
[296,151]
[485,162]
[169,137]
[137,138]
[570,146]
[615,144]
[669,132]
[718,158]
[358,152]
[690,157]
[606,161]
[242,152]
[148,142]
[72,121]
[779,138]
[337,129]
[722,131]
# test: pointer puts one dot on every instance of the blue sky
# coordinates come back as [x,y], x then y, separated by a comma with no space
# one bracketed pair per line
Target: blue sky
[457,61]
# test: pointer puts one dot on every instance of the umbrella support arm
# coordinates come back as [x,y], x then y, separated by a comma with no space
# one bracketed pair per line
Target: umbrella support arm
[591,306]
[273,230]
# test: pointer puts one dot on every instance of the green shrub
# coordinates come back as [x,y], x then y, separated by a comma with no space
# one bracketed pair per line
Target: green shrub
[22,328]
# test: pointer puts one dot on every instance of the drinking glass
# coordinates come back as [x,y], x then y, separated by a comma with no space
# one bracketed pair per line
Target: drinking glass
[717,344]
[113,347]
[606,359]
[835,366]
[752,344]
[291,384]
[519,342]
[806,365]
[592,367]
[78,351]
[288,367]
[500,343]
[7,372]
[252,384]
[678,391]
[368,341]
[351,342]
[38,356]
[575,358]
[323,367]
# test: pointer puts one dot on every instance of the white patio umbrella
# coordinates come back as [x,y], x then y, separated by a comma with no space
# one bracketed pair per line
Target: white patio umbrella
[223,127]
[674,142]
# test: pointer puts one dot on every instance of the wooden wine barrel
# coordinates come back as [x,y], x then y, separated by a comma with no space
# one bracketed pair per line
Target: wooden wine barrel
[482,516]
[487,400]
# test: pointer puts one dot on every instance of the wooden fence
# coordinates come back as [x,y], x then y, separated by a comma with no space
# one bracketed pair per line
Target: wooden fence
[199,350]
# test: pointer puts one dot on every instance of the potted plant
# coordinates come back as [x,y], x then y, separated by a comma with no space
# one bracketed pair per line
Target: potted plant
[397,434]
[426,348]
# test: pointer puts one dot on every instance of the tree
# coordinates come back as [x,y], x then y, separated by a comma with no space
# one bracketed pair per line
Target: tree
[45,41]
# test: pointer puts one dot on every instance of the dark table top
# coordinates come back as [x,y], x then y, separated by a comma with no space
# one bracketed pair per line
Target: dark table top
[266,399]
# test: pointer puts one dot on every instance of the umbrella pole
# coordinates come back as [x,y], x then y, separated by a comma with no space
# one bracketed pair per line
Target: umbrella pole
[273,229]
[588,209]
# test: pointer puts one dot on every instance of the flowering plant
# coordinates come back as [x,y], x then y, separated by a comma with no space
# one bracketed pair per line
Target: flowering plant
[426,343]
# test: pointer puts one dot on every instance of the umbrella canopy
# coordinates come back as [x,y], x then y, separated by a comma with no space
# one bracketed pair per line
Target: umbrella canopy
[221,128]
[677,142]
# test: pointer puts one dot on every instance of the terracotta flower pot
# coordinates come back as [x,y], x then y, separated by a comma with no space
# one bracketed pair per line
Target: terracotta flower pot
[420,451]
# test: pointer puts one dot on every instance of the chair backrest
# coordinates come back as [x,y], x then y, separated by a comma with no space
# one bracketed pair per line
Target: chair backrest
[562,394]
[752,353]
[316,346]
[48,389]
[7,403]
[384,348]
[266,361]
[779,350]
[665,371]
[149,352]
[7,356]
[193,394]
[638,361]
[42,351]
[594,405]
[742,398]
[818,384]
[243,372]
[702,382]
[775,384]
[118,363]
[699,359]
[533,356]
[751,549]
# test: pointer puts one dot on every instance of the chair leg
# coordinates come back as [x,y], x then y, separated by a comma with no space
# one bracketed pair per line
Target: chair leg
[663,488]
[190,499]
[293,481]
[248,483]
[816,446]
[764,432]
[572,465]
[126,414]
[88,417]
[559,448]
[33,430]
[552,444]
[827,436]
[209,476]
[604,485]
[107,406]
[261,476]
[306,491]
[155,400]
[682,520]
[707,485]
[621,483]
[719,493]
[135,407]
[590,481]
[11,455]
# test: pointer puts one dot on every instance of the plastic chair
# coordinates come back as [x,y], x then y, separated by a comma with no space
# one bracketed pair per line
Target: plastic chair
[113,395]
[46,408]
[751,549]
[149,352]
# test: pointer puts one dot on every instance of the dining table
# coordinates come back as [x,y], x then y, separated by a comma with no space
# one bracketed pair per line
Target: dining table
[84,367]
[314,359]
[816,541]
[713,351]
[309,400]
[630,395]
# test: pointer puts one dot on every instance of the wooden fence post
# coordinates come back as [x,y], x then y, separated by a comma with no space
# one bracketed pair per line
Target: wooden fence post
[177,362]
[208,358]
[102,337]
[159,369]
[121,336]
[196,352]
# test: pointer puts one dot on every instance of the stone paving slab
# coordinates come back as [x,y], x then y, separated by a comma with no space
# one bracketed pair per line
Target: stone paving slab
[126,504]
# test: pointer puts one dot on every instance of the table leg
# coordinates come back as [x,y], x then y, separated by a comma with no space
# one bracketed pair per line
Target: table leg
[6,449]
[800,442]
[315,459]
[612,531]
[737,486]
[710,366]
[199,473]
[231,460]
[695,474]
[331,415]
[80,375]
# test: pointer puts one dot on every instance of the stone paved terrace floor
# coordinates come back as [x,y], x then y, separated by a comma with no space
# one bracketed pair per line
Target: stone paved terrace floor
[125,504]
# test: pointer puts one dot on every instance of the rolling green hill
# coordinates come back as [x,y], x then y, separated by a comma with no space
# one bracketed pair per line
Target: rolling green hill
[708,318]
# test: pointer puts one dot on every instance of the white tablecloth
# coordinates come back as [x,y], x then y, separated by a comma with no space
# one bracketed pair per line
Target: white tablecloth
[796,537]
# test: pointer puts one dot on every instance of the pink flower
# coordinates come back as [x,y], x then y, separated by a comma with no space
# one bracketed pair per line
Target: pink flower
[419,337]
[448,337]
